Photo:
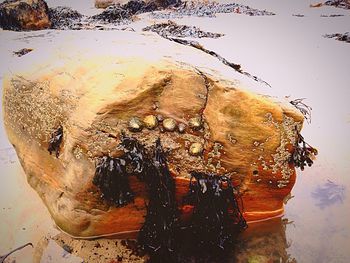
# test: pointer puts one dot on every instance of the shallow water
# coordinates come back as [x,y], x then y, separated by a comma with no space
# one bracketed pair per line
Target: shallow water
[292,56]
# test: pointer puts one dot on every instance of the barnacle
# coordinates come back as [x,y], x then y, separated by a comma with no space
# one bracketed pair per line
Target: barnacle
[55,141]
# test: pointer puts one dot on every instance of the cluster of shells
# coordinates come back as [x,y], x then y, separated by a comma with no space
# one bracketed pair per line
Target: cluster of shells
[168,125]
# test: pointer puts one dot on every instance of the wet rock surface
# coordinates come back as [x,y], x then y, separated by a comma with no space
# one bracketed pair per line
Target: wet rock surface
[24,15]
[170,28]
[209,9]
[239,132]
[340,37]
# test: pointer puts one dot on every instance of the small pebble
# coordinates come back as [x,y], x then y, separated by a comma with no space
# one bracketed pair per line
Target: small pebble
[150,122]
[181,128]
[135,124]
[169,124]
[195,123]
[160,117]
[196,149]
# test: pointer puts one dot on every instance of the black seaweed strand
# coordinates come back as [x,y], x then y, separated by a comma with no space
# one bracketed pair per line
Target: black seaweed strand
[112,179]
[216,215]
[55,141]
[157,235]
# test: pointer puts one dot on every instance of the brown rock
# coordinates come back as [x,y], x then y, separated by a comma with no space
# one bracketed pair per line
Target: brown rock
[24,15]
[245,135]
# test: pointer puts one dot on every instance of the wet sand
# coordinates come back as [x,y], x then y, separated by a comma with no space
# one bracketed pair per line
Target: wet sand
[291,54]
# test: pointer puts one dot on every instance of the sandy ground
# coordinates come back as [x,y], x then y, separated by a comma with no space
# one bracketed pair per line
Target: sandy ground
[288,52]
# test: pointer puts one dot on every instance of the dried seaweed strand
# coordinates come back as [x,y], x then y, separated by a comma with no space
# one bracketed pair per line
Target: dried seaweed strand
[303,153]
[2,258]
[303,108]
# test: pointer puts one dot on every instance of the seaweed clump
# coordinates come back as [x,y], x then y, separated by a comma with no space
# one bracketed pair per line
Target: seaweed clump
[55,141]
[303,153]
[112,179]
[170,28]
[216,215]
[157,235]
[111,175]
[64,18]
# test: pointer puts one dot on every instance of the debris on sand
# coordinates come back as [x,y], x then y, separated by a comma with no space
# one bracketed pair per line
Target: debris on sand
[113,14]
[339,3]
[64,18]
[209,10]
[333,15]
[22,52]
[170,28]
[341,37]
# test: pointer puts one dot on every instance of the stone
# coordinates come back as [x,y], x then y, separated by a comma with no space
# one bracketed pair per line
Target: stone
[169,124]
[150,121]
[24,15]
[247,133]
[196,149]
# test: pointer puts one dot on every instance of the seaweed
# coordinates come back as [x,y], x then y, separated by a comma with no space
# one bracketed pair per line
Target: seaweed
[2,258]
[112,179]
[170,28]
[157,235]
[303,153]
[216,214]
[303,108]
[55,141]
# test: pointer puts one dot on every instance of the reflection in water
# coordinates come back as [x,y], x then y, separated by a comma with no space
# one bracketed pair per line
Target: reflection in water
[329,194]
[263,242]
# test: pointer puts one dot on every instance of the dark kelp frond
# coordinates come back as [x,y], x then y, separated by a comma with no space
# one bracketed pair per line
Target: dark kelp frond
[112,179]
[303,153]
[55,141]
[303,108]
[216,213]
[157,235]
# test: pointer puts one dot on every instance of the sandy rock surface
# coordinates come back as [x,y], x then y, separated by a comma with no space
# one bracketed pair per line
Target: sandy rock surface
[24,15]
[93,96]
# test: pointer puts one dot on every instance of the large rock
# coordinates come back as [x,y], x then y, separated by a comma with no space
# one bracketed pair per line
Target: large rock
[93,93]
[24,15]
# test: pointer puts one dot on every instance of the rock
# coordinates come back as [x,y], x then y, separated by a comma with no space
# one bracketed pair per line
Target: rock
[24,15]
[93,95]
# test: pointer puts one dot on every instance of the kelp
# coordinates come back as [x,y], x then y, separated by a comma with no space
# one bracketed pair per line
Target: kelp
[303,153]
[55,141]
[157,235]
[216,213]
[112,179]
[111,174]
